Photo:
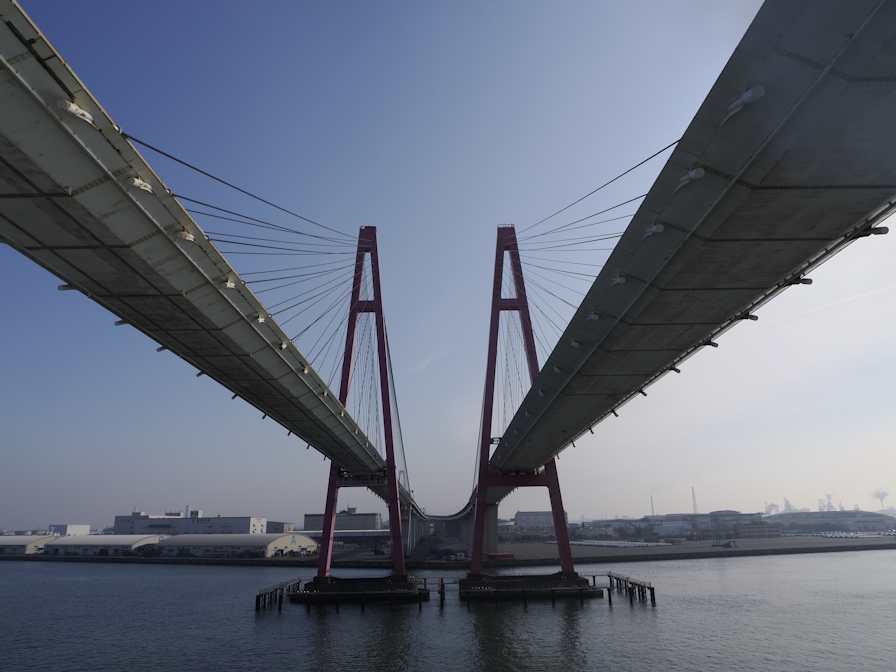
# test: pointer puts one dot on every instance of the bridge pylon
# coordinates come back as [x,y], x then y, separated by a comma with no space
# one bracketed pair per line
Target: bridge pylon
[489,478]
[367,245]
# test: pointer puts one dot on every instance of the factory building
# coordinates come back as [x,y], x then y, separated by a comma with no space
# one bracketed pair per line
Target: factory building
[716,523]
[347,519]
[177,522]
[672,524]
[235,545]
[100,544]
[21,544]
[69,530]
[535,521]
[763,530]
[361,537]
[834,521]
[274,527]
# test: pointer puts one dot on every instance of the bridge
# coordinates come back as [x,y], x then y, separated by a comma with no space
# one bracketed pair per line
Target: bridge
[787,162]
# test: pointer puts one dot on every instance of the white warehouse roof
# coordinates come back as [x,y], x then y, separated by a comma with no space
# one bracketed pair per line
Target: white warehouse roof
[107,540]
[21,539]
[248,540]
[30,542]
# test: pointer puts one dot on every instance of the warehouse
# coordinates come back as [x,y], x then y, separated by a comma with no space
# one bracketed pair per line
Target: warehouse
[176,522]
[69,530]
[236,545]
[830,521]
[347,519]
[100,544]
[23,544]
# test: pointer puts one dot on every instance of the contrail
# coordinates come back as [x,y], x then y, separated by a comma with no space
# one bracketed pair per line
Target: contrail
[831,305]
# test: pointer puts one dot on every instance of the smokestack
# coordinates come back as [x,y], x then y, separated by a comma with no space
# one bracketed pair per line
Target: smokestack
[651,506]
[187,511]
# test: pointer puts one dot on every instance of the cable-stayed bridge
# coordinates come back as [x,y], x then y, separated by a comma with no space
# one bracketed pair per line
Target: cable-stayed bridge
[77,198]
[789,160]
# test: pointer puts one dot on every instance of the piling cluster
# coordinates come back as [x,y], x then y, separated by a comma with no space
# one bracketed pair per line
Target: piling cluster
[632,588]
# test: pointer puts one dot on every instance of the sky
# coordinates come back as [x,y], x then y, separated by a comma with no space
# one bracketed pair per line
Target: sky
[434,122]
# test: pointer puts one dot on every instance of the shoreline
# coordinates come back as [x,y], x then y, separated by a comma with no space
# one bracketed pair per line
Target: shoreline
[609,555]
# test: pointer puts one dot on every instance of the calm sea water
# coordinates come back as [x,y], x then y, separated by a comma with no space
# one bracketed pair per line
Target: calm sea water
[812,612]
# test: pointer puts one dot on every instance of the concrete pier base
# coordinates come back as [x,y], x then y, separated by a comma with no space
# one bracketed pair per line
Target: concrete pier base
[333,590]
[562,585]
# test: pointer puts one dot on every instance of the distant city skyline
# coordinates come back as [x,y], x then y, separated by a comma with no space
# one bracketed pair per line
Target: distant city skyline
[436,123]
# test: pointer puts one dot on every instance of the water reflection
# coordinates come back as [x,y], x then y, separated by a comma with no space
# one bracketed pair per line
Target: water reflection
[515,636]
[747,614]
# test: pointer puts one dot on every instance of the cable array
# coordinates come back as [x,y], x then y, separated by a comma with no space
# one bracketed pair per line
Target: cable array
[311,293]
[511,366]
[304,278]
[560,263]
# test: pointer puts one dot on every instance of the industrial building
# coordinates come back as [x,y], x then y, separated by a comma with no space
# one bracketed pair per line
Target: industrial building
[69,530]
[177,522]
[715,523]
[100,544]
[347,519]
[762,530]
[236,545]
[834,521]
[274,527]
[23,544]
[360,537]
[535,521]
[673,524]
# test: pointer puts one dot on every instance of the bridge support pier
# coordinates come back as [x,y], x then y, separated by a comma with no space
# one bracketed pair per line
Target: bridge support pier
[485,525]
[490,540]
[366,245]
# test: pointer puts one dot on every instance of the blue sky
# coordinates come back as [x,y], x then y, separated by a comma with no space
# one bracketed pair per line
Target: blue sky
[435,122]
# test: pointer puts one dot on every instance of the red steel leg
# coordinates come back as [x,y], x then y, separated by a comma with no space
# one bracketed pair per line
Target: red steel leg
[507,243]
[391,471]
[560,529]
[329,524]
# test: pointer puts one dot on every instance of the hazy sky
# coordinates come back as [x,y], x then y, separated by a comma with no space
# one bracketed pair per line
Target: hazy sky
[435,122]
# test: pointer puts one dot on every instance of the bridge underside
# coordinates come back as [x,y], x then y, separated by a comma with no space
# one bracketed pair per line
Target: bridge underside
[755,195]
[67,202]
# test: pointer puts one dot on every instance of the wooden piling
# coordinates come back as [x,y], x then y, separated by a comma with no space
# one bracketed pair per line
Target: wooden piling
[258,603]
[652,597]
[280,602]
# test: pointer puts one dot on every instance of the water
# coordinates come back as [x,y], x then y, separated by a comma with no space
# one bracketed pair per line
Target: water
[811,612]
